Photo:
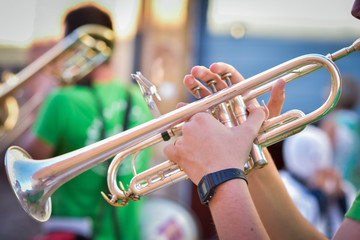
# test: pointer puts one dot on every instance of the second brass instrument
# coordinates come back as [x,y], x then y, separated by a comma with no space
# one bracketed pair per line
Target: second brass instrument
[72,58]
[34,181]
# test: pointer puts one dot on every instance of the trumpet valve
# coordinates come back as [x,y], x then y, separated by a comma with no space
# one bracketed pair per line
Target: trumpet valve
[211,84]
[196,92]
[226,77]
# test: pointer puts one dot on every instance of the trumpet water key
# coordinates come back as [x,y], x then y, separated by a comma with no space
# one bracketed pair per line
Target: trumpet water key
[34,181]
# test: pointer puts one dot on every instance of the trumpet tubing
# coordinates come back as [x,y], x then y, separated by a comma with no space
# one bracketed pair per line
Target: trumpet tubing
[11,114]
[34,188]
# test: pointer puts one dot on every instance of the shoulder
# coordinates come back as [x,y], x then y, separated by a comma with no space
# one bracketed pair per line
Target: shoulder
[135,91]
[55,97]
[139,107]
[119,86]
[67,93]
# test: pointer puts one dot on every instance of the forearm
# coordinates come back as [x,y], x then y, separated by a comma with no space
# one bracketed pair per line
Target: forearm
[277,211]
[349,229]
[234,213]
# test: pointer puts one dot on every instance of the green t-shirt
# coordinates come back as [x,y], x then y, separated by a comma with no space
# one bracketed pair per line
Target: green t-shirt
[354,211]
[68,120]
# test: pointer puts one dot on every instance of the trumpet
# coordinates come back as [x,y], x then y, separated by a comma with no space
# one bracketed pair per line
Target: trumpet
[34,181]
[80,52]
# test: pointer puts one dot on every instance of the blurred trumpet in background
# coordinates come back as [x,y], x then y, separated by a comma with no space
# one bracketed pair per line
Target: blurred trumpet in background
[68,61]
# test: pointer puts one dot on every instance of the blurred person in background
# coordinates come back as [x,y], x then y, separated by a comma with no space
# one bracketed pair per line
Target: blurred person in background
[313,183]
[71,117]
[343,127]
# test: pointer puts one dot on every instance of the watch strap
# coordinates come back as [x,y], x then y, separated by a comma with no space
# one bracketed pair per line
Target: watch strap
[227,174]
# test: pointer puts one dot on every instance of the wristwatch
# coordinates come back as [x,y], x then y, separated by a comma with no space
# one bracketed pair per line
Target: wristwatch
[207,185]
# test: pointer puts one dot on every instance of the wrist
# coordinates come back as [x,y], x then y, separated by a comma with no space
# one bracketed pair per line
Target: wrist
[226,192]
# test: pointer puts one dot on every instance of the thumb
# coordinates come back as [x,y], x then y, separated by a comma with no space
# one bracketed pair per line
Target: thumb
[255,119]
[181,104]
[169,151]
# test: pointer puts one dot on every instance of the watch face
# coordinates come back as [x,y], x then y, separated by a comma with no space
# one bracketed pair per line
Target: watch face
[203,188]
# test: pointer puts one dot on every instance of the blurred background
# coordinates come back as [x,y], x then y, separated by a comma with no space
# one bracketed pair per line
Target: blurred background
[163,39]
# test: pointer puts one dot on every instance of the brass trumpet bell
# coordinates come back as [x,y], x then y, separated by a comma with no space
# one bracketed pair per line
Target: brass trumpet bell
[24,177]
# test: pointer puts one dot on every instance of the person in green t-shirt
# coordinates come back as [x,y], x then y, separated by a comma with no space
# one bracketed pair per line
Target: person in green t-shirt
[71,117]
